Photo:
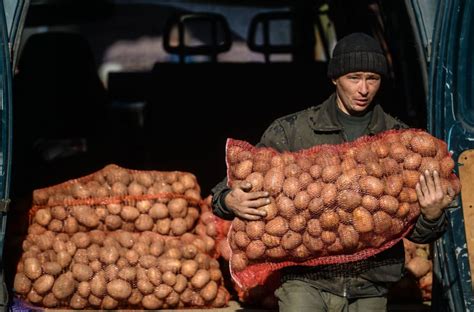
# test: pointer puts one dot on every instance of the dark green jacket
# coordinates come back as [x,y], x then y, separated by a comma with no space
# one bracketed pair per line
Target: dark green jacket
[319,125]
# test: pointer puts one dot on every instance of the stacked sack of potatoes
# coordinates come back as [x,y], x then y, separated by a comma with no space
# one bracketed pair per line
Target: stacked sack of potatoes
[120,239]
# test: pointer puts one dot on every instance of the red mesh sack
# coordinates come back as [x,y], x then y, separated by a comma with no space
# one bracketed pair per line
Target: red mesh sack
[330,203]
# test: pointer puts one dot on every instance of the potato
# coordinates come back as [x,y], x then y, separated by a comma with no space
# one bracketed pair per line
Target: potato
[21,284]
[336,247]
[178,207]
[43,217]
[200,279]
[94,301]
[371,186]
[64,286]
[144,223]
[98,284]
[348,199]
[410,178]
[145,287]
[256,178]
[290,240]
[329,220]
[151,302]
[315,245]
[297,223]
[270,240]
[163,226]
[109,303]
[418,266]
[255,229]
[412,161]
[162,291]
[85,215]
[382,222]
[328,237]
[277,227]
[316,206]
[242,169]
[423,144]
[50,301]
[169,278]
[33,297]
[168,264]
[330,173]
[273,181]
[84,289]
[63,258]
[181,283]
[291,186]
[70,225]
[255,249]
[362,220]
[82,272]
[430,164]
[398,151]
[388,204]
[119,289]
[286,207]
[81,240]
[155,276]
[328,194]
[302,200]
[32,268]
[238,261]
[148,261]
[109,254]
[275,253]
[129,213]
[221,298]
[209,292]
[135,298]
[348,236]
[178,226]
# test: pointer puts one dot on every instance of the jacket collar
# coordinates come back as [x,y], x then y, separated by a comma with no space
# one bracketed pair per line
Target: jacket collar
[325,119]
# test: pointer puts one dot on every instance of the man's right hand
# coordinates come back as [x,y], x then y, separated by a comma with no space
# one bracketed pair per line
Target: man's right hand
[244,204]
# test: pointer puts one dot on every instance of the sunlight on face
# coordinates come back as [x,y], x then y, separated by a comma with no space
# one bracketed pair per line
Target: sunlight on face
[356,91]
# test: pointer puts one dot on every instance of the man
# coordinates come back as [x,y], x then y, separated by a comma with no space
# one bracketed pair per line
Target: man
[356,69]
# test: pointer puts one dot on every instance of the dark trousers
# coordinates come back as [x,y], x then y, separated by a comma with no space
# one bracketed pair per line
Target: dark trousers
[300,296]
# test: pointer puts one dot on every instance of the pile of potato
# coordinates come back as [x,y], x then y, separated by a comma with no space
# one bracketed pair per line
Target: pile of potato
[118,270]
[151,251]
[350,200]
[419,265]
[116,198]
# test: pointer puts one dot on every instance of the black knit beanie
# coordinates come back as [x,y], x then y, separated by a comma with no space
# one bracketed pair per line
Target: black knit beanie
[357,52]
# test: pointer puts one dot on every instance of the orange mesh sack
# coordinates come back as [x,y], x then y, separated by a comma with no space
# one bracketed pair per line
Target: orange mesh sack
[330,203]
[117,270]
[120,239]
[116,198]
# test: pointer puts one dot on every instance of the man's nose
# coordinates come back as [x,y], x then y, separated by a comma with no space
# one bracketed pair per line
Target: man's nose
[363,87]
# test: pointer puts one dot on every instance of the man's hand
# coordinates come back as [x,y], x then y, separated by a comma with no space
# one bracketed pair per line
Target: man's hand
[431,196]
[244,203]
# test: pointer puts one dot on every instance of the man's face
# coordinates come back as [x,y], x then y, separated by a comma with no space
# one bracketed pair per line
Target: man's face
[356,91]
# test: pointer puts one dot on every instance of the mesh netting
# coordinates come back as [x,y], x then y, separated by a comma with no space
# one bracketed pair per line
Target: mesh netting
[330,203]
[148,243]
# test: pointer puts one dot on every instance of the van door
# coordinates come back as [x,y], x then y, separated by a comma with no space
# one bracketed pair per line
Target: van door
[11,13]
[451,118]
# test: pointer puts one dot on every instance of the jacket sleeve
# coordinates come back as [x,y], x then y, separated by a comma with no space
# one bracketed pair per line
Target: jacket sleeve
[427,231]
[274,137]
[218,205]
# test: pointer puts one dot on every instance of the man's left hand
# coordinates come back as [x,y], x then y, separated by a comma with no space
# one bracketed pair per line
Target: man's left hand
[431,196]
